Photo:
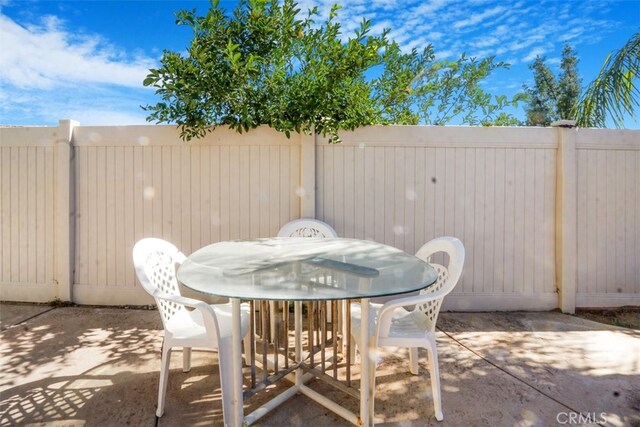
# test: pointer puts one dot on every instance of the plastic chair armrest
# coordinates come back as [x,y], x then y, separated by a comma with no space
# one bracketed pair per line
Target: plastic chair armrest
[186,301]
[208,314]
[385,314]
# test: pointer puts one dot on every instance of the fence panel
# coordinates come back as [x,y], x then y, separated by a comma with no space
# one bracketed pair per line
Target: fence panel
[608,218]
[141,181]
[26,207]
[494,188]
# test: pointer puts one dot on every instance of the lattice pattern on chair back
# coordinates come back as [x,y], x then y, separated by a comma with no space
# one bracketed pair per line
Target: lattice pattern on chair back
[307,228]
[447,276]
[155,262]
[162,274]
[307,232]
[431,308]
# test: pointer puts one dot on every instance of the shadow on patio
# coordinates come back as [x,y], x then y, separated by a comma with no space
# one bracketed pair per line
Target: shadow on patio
[99,366]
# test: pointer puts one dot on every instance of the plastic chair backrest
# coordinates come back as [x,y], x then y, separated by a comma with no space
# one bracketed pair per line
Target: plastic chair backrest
[448,276]
[307,227]
[155,262]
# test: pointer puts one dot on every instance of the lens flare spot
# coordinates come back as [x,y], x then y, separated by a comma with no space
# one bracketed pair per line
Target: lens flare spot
[530,417]
[464,305]
[300,192]
[95,137]
[149,193]
[144,140]
[398,229]
[411,195]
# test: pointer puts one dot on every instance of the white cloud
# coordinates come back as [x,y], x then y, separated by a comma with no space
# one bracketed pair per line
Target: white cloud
[555,61]
[46,67]
[475,26]
[479,54]
[430,7]
[46,56]
[435,36]
[49,74]
[378,27]
[532,55]
[485,42]
[479,17]
[443,54]
[574,33]
[419,43]
[89,105]
[519,45]
[384,4]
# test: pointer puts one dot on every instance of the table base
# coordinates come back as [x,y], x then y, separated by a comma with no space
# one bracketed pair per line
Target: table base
[302,374]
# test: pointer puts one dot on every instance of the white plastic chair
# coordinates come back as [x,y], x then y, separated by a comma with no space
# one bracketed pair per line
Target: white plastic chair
[394,326]
[307,227]
[207,326]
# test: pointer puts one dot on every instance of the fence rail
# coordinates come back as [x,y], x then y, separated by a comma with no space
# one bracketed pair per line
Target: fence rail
[550,217]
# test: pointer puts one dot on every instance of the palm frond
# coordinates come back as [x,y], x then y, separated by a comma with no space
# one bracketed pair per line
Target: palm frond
[614,93]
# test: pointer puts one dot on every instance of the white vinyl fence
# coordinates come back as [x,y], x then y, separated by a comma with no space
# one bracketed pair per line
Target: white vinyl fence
[550,217]
[492,188]
[608,219]
[26,214]
[142,181]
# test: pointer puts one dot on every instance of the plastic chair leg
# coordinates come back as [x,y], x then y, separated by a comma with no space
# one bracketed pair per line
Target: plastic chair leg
[413,360]
[225,365]
[186,359]
[164,376]
[434,373]
[372,384]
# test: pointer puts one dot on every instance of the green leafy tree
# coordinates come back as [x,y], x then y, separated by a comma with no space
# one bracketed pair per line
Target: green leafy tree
[415,88]
[504,119]
[450,89]
[541,109]
[569,82]
[267,65]
[393,92]
[614,93]
[553,98]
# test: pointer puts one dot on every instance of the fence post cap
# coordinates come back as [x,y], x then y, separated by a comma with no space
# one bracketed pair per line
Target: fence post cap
[564,124]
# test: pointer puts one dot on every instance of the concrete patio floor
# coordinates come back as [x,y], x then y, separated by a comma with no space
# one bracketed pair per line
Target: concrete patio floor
[99,367]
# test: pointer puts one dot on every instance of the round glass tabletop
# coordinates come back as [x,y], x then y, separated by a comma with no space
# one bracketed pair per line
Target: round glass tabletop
[303,269]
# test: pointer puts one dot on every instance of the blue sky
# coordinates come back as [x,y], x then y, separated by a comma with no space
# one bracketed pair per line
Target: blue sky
[85,60]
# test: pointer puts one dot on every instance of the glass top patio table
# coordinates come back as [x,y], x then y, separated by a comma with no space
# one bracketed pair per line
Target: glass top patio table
[302,269]
[287,269]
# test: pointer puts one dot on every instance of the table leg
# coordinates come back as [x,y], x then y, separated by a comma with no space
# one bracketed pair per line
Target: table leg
[236,351]
[298,339]
[365,363]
